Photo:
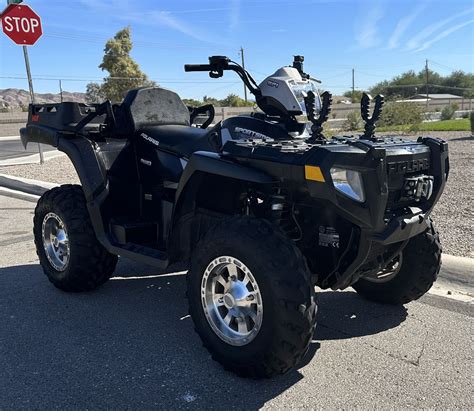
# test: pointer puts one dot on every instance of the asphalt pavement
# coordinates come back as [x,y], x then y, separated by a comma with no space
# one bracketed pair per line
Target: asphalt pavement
[131,344]
[12,148]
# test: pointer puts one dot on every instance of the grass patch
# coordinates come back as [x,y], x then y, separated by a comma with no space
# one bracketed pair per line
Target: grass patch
[444,125]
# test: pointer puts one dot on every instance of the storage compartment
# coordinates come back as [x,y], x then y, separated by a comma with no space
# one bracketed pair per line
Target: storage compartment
[61,115]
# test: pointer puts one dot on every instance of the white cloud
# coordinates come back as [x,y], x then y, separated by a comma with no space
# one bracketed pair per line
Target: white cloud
[368,36]
[167,19]
[234,15]
[403,25]
[444,34]
[416,41]
[123,10]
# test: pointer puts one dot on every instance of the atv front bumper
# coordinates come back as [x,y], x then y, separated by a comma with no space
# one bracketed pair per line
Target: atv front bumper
[387,219]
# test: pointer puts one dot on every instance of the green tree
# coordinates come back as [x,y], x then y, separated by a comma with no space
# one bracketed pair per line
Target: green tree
[94,93]
[233,100]
[353,121]
[357,95]
[410,83]
[211,100]
[124,72]
[192,102]
[447,113]
[402,113]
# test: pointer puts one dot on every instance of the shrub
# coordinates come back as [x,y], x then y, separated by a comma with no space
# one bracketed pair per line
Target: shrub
[447,113]
[352,122]
[465,115]
[401,113]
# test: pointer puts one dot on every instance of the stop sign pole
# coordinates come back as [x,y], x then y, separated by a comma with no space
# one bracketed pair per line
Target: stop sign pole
[23,26]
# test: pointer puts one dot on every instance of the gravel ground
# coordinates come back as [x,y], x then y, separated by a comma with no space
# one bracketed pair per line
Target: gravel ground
[57,170]
[453,215]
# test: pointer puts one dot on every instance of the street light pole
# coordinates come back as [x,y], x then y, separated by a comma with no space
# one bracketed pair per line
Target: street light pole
[243,66]
[353,85]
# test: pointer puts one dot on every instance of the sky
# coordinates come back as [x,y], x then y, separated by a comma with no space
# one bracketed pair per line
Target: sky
[377,38]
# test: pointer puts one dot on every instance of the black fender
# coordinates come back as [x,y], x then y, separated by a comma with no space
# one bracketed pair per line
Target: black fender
[79,150]
[39,134]
[91,175]
[215,164]
[208,191]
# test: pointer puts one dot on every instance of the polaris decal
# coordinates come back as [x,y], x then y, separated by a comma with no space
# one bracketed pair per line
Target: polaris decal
[150,139]
[250,133]
[272,83]
[410,166]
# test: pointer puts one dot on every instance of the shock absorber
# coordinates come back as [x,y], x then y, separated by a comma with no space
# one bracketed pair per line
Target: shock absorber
[283,215]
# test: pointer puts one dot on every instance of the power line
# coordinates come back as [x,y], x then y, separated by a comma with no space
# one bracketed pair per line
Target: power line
[443,65]
[118,78]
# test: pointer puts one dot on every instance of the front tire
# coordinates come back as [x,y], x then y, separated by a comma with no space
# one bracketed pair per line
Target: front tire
[251,298]
[420,262]
[69,252]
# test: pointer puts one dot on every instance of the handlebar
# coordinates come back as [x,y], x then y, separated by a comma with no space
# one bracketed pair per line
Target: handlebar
[216,67]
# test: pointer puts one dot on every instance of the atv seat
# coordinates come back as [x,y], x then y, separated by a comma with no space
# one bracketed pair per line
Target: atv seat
[161,115]
[182,140]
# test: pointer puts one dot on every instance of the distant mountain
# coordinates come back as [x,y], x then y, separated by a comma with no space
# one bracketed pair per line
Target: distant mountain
[15,98]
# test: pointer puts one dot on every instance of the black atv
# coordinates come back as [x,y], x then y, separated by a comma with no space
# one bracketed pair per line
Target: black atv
[262,208]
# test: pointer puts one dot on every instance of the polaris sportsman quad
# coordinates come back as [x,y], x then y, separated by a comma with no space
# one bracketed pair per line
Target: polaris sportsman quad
[262,208]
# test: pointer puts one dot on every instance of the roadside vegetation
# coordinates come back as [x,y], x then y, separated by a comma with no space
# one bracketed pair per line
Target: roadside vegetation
[462,124]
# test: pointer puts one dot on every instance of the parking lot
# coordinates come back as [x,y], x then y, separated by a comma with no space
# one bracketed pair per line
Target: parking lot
[131,344]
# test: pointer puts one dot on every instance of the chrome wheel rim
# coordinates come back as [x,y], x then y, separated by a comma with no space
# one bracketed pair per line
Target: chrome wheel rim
[389,272]
[55,241]
[232,301]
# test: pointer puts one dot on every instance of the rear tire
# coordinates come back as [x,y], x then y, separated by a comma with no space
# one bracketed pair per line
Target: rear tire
[77,261]
[285,296]
[420,265]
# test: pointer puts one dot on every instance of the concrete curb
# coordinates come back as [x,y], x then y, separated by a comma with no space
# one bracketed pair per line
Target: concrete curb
[9,138]
[19,195]
[25,185]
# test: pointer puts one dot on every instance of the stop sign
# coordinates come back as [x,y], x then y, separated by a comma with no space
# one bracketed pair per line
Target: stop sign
[21,24]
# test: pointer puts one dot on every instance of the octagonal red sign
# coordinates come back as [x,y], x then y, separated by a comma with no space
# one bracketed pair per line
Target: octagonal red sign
[21,24]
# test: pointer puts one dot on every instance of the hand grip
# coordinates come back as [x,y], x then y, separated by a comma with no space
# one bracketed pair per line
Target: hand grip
[197,67]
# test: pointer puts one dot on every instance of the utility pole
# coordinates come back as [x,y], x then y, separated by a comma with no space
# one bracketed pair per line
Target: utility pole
[61,89]
[353,86]
[243,66]
[32,93]
[426,84]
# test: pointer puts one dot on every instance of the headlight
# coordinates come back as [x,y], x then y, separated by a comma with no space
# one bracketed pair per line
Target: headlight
[348,182]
